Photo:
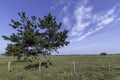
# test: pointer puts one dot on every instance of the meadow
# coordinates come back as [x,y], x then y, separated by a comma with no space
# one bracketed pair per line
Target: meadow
[82,67]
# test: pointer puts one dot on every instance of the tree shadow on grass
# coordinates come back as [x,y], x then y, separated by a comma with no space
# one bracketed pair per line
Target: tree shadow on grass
[117,68]
[36,66]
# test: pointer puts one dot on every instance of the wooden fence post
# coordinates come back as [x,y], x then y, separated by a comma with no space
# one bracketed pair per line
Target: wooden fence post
[108,66]
[9,67]
[74,67]
[39,66]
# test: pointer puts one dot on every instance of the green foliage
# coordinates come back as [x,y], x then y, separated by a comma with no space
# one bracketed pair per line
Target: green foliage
[31,58]
[53,37]
[35,36]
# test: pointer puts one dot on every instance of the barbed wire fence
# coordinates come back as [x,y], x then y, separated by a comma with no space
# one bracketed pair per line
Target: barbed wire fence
[73,66]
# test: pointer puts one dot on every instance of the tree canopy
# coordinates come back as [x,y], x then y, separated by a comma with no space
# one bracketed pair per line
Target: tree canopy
[35,36]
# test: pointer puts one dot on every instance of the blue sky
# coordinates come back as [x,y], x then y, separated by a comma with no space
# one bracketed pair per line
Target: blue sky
[94,25]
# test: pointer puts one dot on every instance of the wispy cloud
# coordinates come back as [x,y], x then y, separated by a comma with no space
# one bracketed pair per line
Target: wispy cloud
[88,23]
[100,26]
[66,21]
[81,14]
[106,21]
[66,7]
[65,3]
[81,19]
[57,3]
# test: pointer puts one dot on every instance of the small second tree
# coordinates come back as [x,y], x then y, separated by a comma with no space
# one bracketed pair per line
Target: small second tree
[54,37]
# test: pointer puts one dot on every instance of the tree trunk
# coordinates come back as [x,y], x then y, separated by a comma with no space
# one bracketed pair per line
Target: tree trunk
[18,58]
[47,61]
[47,56]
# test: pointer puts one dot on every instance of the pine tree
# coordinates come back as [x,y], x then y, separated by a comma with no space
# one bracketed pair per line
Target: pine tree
[36,36]
[54,37]
[25,40]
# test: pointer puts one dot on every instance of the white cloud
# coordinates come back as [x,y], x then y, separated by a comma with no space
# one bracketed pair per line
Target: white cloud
[65,9]
[81,13]
[67,6]
[111,11]
[106,21]
[57,3]
[103,15]
[81,25]
[84,17]
[75,33]
[84,36]
[66,21]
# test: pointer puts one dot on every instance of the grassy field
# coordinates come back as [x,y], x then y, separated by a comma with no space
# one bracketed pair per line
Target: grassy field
[62,68]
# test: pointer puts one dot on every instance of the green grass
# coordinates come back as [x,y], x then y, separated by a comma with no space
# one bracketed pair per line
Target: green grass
[86,68]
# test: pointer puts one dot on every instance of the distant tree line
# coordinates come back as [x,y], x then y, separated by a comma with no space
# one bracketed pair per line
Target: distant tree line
[103,53]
